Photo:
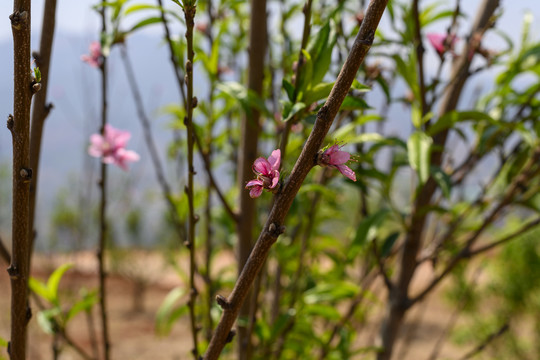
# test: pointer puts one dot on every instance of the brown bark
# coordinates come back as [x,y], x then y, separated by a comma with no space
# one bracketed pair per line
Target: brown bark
[283,200]
[189,14]
[398,298]
[40,109]
[102,241]
[19,124]
[248,153]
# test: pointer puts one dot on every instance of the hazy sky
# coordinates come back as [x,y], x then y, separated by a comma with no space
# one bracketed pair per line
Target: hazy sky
[75,16]
[74,86]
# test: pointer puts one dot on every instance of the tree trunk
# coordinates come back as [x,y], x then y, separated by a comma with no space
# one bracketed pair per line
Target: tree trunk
[247,155]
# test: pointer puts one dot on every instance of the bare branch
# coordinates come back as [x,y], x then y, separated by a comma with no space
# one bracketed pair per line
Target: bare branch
[283,200]
[152,149]
[19,124]
[4,253]
[504,328]
[208,169]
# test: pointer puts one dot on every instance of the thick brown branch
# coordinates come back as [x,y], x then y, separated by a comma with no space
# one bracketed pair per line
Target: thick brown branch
[19,124]
[398,301]
[4,253]
[283,200]
[247,154]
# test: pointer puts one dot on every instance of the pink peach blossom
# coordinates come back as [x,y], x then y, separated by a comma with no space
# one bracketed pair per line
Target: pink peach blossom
[111,147]
[95,57]
[438,41]
[267,172]
[336,158]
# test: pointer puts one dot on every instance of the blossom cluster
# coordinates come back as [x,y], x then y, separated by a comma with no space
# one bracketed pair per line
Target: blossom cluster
[267,170]
[111,147]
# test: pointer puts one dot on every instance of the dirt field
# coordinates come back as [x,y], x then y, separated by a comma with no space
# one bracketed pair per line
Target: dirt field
[132,332]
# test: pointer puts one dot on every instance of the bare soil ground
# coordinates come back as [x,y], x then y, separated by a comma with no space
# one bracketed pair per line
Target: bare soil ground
[132,332]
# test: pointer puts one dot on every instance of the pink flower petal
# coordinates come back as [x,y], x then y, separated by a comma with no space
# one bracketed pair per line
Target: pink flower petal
[438,40]
[339,157]
[262,166]
[255,191]
[254,183]
[275,159]
[332,149]
[346,171]
[275,179]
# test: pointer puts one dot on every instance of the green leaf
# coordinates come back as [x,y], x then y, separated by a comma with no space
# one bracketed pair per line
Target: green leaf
[368,227]
[40,289]
[323,190]
[442,179]
[37,74]
[416,115]
[320,49]
[247,98]
[54,280]
[318,92]
[298,107]
[419,154]
[327,312]
[167,313]
[3,342]
[331,292]
[366,137]
[319,42]
[450,118]
[388,243]
[365,118]
[289,89]
[305,76]
[145,22]
[85,304]
[139,7]
[354,103]
[46,320]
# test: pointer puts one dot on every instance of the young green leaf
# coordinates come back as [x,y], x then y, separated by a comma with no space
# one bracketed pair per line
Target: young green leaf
[419,154]
[54,280]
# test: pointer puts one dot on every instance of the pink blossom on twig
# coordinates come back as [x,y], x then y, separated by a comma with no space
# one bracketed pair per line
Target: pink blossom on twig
[336,158]
[267,172]
[442,42]
[111,147]
[95,57]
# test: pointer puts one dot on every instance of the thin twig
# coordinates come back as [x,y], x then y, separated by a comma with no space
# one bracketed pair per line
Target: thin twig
[152,149]
[419,48]
[398,299]
[305,38]
[528,172]
[40,109]
[208,169]
[189,12]
[103,205]
[61,331]
[454,317]
[174,60]
[478,349]
[283,200]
